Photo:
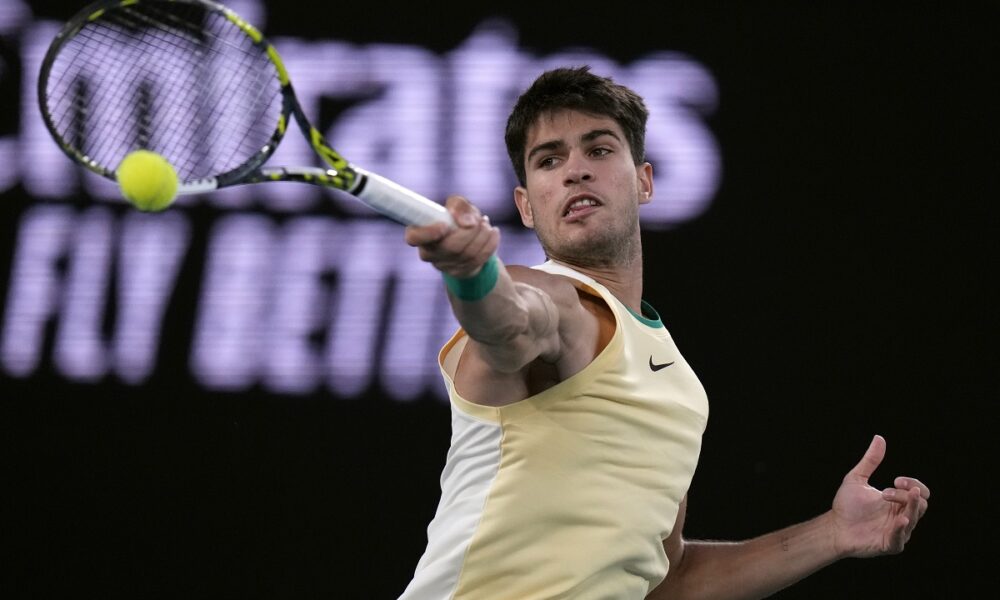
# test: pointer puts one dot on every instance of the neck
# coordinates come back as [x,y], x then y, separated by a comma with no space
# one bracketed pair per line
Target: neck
[623,280]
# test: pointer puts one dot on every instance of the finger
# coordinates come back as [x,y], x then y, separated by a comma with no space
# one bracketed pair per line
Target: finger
[907,483]
[463,212]
[475,253]
[484,244]
[430,254]
[493,244]
[488,247]
[870,461]
[445,251]
[900,534]
[466,241]
[427,234]
[916,507]
[910,502]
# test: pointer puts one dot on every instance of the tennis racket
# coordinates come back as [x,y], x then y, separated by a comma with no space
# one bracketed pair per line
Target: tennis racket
[192,81]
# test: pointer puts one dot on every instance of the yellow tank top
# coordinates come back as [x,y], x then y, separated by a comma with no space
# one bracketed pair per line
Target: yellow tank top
[568,493]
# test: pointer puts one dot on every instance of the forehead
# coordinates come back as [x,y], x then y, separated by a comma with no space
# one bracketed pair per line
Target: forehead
[567,126]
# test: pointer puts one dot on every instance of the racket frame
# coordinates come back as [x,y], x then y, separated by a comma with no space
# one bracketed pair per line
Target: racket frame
[378,192]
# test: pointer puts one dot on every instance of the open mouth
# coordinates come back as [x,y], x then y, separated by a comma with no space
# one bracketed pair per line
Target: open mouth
[580,205]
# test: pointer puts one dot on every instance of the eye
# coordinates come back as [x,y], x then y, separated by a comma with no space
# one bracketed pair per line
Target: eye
[600,151]
[547,162]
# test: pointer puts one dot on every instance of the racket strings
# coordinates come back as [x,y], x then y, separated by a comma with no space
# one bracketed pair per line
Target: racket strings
[171,77]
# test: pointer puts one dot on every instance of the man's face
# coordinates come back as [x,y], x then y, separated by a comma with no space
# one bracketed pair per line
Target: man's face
[583,189]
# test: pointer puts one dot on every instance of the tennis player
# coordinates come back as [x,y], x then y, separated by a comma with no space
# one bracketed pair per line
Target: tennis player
[577,423]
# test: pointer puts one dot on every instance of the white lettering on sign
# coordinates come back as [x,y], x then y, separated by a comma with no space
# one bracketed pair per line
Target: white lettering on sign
[63,271]
[295,303]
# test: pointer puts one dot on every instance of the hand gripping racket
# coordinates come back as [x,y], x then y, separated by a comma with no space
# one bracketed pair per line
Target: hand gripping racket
[192,81]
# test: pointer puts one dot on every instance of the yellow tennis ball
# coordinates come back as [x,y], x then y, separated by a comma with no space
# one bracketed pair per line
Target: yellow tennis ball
[147,180]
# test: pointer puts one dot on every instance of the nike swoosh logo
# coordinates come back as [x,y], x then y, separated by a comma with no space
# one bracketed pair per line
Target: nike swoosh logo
[654,367]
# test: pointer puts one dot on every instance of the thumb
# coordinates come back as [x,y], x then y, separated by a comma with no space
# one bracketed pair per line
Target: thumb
[463,211]
[870,461]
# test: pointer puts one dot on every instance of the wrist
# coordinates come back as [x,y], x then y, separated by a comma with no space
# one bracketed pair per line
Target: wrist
[830,529]
[475,287]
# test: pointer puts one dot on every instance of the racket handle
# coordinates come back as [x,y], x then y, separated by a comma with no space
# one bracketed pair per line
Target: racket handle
[398,203]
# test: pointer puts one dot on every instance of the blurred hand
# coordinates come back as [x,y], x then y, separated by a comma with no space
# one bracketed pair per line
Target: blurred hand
[459,251]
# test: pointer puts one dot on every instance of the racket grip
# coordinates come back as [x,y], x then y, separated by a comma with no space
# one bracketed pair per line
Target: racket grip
[398,203]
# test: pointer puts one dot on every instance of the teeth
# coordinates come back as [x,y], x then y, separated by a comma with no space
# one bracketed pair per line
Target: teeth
[581,203]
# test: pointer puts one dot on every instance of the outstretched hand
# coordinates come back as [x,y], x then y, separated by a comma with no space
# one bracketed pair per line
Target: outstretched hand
[459,251]
[869,522]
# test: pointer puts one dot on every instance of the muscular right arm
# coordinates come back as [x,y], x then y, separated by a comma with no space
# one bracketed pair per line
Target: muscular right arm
[514,324]
[520,319]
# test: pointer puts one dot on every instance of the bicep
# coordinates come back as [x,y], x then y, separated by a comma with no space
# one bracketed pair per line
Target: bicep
[536,336]
[536,303]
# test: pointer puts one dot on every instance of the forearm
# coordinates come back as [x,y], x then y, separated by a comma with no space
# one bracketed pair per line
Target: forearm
[750,569]
[514,322]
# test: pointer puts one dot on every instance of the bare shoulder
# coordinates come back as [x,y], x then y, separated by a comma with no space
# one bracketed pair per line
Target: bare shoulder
[564,292]
[559,287]
[586,322]
[569,324]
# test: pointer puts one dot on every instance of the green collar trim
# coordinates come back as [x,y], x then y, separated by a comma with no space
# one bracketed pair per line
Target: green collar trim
[653,320]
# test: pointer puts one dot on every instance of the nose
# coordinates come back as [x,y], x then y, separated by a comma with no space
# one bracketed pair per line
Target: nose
[577,170]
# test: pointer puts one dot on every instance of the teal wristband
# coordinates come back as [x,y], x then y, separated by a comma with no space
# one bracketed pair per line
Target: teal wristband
[471,289]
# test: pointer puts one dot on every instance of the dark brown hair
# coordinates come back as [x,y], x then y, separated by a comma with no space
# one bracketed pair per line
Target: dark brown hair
[575,88]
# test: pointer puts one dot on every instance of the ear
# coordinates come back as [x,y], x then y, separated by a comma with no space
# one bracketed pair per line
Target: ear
[524,207]
[645,174]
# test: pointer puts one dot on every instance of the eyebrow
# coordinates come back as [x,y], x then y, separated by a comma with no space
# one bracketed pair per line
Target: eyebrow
[556,144]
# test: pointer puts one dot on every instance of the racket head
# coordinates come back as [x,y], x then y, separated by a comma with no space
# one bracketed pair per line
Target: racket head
[187,79]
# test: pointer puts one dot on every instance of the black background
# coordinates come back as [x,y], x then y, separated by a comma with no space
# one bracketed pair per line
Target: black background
[840,286]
